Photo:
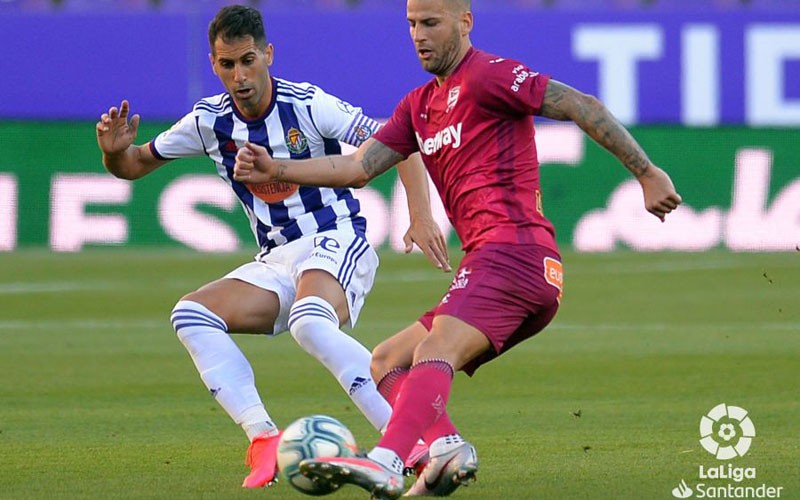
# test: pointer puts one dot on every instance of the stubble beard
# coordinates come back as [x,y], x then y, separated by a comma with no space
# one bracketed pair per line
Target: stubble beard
[444,64]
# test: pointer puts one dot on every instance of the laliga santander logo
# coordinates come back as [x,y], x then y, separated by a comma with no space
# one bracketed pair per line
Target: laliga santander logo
[726,431]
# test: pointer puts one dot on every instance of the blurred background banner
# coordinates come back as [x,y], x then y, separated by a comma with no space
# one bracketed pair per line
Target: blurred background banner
[711,88]
[738,66]
[741,188]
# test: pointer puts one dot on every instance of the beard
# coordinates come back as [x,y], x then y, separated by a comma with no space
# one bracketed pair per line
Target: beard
[444,61]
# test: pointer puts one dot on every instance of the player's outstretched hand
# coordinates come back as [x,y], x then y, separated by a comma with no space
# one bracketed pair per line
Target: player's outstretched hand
[660,197]
[426,234]
[254,165]
[114,133]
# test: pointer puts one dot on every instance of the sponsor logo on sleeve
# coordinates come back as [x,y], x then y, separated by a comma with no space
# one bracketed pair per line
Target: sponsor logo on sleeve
[520,75]
[346,107]
[363,132]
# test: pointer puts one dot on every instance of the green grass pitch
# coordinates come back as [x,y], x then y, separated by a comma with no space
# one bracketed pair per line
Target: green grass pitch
[99,400]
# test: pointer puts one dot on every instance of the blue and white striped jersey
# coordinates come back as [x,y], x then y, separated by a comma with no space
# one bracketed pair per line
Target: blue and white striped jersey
[302,122]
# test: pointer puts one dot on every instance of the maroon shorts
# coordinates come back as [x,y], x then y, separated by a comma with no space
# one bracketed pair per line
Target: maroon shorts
[508,292]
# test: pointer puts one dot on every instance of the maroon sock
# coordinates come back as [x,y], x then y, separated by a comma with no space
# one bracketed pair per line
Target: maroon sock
[421,402]
[389,386]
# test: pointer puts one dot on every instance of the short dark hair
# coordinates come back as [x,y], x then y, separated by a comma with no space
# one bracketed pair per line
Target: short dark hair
[237,21]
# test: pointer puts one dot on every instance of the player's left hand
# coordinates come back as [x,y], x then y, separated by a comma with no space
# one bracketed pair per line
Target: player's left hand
[660,196]
[254,165]
[424,232]
[115,133]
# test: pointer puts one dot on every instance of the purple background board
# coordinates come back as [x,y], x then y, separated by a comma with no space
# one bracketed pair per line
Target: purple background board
[75,65]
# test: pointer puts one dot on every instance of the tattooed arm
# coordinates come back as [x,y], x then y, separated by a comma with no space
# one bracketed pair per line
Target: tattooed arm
[562,102]
[254,166]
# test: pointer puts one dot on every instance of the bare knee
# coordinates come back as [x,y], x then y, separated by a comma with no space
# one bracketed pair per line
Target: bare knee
[206,298]
[397,351]
[245,308]
[436,346]
[453,341]
[381,361]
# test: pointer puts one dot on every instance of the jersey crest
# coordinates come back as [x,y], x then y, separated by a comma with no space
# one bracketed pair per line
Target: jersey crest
[296,141]
[452,98]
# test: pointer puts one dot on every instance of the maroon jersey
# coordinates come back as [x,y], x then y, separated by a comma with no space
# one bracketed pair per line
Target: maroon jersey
[476,136]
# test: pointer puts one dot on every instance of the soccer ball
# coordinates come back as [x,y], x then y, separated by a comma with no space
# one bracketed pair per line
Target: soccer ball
[312,437]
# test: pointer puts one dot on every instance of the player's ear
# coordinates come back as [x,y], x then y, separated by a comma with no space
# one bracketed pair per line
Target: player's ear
[269,53]
[211,60]
[466,23]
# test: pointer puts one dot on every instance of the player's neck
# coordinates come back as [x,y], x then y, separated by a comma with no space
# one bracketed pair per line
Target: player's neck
[441,79]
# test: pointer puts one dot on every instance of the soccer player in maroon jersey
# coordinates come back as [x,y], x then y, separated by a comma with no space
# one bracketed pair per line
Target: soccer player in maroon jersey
[472,123]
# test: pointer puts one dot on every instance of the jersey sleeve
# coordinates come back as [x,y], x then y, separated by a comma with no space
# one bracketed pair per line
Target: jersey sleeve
[338,119]
[180,141]
[398,133]
[510,87]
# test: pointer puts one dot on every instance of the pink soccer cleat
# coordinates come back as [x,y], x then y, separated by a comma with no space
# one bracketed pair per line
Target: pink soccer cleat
[262,460]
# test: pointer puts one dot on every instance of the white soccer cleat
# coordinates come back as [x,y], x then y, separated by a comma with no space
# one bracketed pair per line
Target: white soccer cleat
[382,483]
[446,472]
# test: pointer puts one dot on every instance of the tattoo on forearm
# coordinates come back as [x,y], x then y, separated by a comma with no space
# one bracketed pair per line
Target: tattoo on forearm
[553,106]
[281,174]
[562,102]
[610,134]
[378,159]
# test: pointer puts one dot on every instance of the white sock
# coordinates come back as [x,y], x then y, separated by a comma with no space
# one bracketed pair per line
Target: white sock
[315,326]
[256,422]
[445,444]
[223,368]
[386,457]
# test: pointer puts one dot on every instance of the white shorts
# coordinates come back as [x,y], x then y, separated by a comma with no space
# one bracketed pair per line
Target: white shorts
[347,257]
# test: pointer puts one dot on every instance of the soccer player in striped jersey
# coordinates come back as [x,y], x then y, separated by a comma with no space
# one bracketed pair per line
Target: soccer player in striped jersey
[315,266]
[473,125]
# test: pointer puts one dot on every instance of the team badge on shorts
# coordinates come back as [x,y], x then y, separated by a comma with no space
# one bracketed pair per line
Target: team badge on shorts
[326,243]
[296,141]
[461,280]
[554,274]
